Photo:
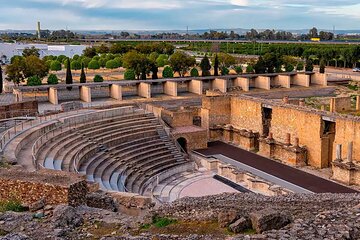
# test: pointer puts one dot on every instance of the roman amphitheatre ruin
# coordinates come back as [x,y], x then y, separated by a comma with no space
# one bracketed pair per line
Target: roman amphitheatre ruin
[251,156]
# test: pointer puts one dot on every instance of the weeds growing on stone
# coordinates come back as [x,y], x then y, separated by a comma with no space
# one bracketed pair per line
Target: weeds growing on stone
[161,222]
[11,205]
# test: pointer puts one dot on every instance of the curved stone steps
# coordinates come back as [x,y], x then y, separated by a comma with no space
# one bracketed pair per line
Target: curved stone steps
[152,170]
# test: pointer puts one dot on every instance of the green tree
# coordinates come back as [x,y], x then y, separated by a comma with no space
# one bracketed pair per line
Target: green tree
[34,66]
[129,74]
[15,71]
[112,64]
[69,78]
[216,65]
[162,60]
[102,49]
[300,66]
[322,66]
[75,65]
[98,78]
[260,67]
[118,60]
[76,57]
[33,51]
[225,60]
[194,72]
[289,67]
[181,63]
[93,64]
[86,61]
[90,52]
[82,74]
[55,65]
[224,71]
[238,70]
[309,66]
[138,62]
[168,72]
[34,81]
[52,79]
[153,56]
[102,62]
[1,80]
[205,66]
[249,69]
[61,58]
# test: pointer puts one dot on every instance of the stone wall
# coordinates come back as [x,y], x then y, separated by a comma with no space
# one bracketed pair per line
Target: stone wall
[55,187]
[19,109]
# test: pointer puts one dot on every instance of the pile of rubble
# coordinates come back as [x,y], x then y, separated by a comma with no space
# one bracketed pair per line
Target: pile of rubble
[247,216]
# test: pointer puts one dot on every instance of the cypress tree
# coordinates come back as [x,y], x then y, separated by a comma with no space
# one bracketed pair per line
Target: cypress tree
[69,79]
[216,66]
[1,80]
[205,66]
[82,75]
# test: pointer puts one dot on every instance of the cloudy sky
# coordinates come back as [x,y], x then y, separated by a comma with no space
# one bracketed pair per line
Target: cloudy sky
[177,14]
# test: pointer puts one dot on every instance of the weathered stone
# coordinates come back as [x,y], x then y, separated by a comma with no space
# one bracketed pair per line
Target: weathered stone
[240,225]
[101,200]
[268,220]
[40,204]
[66,216]
[227,217]
[15,236]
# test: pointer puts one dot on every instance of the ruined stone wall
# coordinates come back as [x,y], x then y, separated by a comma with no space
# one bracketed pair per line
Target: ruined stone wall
[300,124]
[19,109]
[55,187]
[246,114]
[346,131]
[178,118]
[215,111]
[195,140]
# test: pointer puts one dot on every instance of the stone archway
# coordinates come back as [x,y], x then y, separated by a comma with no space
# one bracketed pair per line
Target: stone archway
[183,143]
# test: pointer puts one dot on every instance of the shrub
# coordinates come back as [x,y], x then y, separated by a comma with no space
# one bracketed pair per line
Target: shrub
[129,74]
[55,65]
[249,69]
[194,72]
[162,60]
[300,66]
[52,79]
[98,78]
[309,67]
[238,69]
[224,71]
[34,81]
[112,64]
[322,66]
[162,222]
[289,67]
[93,64]
[75,65]
[168,72]
[11,205]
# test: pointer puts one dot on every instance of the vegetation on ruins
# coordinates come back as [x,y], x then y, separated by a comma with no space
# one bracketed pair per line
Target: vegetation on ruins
[98,78]
[168,72]
[82,74]
[249,69]
[52,79]
[224,71]
[129,74]
[11,205]
[205,66]
[33,81]
[322,66]
[309,66]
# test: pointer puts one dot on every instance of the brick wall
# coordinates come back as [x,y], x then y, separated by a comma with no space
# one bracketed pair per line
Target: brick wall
[18,109]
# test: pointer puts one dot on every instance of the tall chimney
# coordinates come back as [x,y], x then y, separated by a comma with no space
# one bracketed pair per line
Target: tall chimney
[38,30]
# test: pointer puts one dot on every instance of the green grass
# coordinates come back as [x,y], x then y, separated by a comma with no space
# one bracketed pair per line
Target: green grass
[353,87]
[161,222]
[11,205]
[249,231]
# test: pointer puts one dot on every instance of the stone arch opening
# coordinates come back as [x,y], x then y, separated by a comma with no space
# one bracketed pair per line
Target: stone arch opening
[183,143]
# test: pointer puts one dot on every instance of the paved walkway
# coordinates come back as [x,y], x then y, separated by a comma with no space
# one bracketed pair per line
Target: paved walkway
[289,174]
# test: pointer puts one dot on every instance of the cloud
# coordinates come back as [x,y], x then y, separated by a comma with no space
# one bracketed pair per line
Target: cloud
[177,14]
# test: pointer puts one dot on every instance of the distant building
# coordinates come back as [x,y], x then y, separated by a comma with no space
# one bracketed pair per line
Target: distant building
[8,50]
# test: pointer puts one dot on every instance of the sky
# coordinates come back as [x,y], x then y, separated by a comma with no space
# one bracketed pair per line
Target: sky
[178,14]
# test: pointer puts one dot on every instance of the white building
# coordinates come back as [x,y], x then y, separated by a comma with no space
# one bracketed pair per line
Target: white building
[8,50]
